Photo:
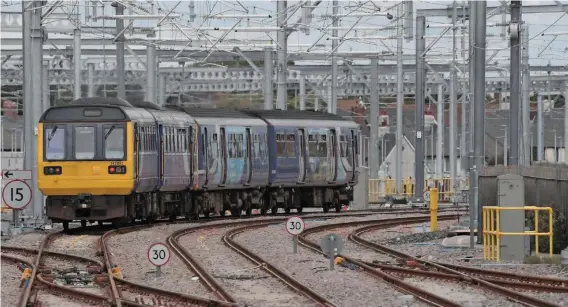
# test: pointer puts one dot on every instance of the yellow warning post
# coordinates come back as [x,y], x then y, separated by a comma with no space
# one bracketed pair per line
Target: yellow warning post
[433,209]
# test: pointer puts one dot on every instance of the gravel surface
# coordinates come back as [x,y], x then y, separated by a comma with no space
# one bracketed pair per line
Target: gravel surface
[10,283]
[245,281]
[462,293]
[29,240]
[51,300]
[343,286]
[129,251]
[81,245]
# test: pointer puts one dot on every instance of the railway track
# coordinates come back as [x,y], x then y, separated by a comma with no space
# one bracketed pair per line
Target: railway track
[269,267]
[491,280]
[449,272]
[43,274]
[156,295]
[217,289]
[425,296]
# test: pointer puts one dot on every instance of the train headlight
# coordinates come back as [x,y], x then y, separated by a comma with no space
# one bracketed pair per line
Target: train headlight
[118,169]
[52,170]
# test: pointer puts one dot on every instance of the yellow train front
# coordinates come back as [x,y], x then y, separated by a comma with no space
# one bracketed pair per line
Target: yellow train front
[84,166]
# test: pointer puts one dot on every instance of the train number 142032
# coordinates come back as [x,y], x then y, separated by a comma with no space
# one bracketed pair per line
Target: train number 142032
[116,163]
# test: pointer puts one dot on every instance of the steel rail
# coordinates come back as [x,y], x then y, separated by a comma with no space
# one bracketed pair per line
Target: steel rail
[541,280]
[89,297]
[16,249]
[531,301]
[270,268]
[23,298]
[403,286]
[501,282]
[200,301]
[26,295]
[193,300]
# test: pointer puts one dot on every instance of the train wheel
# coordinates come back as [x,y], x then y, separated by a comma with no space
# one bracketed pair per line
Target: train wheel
[222,212]
[299,209]
[206,214]
[83,223]
[337,205]
[325,208]
[274,209]
[287,210]
[66,226]
[249,211]
[100,223]
[263,211]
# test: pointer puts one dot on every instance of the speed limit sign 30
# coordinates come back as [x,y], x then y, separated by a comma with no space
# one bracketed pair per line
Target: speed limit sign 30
[295,225]
[159,254]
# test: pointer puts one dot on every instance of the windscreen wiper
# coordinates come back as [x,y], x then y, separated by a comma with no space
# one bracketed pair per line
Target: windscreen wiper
[109,131]
[51,134]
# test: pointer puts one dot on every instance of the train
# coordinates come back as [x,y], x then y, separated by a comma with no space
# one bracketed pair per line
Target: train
[113,160]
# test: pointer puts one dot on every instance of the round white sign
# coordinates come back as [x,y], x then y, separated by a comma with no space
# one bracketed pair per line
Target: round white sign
[17,194]
[158,254]
[295,225]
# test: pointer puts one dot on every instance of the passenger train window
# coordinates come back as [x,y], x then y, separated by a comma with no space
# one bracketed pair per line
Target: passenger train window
[343,145]
[256,146]
[84,143]
[290,140]
[54,142]
[214,147]
[322,145]
[313,145]
[280,145]
[114,142]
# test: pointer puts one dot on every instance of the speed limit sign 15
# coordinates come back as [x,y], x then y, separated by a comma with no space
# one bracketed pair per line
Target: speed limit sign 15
[295,225]
[17,194]
[158,254]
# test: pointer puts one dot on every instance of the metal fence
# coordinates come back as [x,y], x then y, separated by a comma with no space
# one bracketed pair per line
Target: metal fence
[546,184]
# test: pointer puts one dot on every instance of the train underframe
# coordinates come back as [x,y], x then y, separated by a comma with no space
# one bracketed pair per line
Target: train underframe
[191,204]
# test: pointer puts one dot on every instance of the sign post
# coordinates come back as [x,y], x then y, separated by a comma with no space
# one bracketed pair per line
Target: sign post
[17,194]
[16,174]
[295,226]
[159,255]
[332,245]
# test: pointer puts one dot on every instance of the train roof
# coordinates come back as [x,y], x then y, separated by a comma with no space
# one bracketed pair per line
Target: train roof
[212,112]
[295,114]
[101,109]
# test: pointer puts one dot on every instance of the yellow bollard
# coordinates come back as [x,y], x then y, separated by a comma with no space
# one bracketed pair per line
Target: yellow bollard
[433,209]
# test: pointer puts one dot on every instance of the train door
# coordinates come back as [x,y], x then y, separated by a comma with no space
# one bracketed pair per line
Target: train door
[205,147]
[162,154]
[354,158]
[248,156]
[332,148]
[302,155]
[136,153]
[223,156]
[191,154]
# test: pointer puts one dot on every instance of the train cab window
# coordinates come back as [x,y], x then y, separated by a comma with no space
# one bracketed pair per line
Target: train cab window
[280,145]
[54,142]
[84,143]
[114,142]
[290,140]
